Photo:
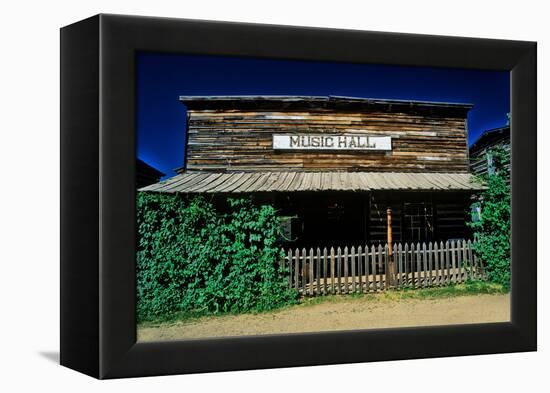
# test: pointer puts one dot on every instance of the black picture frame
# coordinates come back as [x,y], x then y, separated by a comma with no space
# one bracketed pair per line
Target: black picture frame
[98,242]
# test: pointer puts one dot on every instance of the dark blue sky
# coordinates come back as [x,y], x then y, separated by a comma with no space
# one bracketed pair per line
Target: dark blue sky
[162,78]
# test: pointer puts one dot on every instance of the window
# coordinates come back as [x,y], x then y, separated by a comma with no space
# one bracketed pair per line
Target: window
[418,221]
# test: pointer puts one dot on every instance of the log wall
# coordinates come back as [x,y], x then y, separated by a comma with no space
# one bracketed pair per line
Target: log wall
[241,140]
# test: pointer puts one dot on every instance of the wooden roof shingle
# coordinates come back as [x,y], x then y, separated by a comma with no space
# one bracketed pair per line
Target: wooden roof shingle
[248,182]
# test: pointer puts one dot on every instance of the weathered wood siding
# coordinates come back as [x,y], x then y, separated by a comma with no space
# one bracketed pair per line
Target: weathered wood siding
[479,161]
[241,140]
[447,219]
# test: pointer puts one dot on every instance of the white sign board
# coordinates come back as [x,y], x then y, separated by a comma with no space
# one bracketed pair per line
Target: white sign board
[331,142]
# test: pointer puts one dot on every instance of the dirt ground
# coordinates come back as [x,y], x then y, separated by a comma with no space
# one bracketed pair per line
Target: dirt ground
[343,313]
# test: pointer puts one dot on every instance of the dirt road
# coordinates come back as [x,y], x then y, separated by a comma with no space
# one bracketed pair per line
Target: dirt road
[344,313]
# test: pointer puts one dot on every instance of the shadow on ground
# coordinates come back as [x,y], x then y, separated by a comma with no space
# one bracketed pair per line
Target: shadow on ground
[52,356]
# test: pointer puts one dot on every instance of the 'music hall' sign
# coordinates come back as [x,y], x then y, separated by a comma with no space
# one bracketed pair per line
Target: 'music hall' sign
[331,142]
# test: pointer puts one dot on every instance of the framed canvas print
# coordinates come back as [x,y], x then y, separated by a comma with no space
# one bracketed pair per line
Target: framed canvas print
[238,196]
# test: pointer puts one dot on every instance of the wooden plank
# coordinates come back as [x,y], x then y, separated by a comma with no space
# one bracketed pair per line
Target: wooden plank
[241,139]
[305,271]
[297,270]
[413,266]
[318,272]
[418,265]
[430,264]
[406,262]
[453,261]
[471,260]
[465,258]
[381,260]
[346,263]
[477,265]
[360,268]
[353,259]
[332,263]
[436,264]
[373,264]
[424,266]
[400,266]
[367,268]
[290,266]
[325,273]
[448,262]
[339,269]
[459,260]
[311,277]
[442,277]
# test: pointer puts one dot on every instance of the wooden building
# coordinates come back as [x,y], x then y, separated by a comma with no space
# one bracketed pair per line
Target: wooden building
[146,174]
[334,165]
[480,158]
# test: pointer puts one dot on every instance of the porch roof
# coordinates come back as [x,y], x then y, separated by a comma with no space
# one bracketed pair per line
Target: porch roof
[248,182]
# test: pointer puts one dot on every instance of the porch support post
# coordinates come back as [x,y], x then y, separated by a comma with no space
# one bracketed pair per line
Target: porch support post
[390,272]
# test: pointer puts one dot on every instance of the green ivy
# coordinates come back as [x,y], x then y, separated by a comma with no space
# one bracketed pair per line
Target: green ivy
[492,229]
[195,258]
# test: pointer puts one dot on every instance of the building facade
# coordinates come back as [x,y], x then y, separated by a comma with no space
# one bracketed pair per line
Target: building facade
[338,168]
[146,174]
[481,163]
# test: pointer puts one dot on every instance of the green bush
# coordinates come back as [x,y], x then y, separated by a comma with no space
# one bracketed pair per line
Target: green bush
[196,259]
[492,230]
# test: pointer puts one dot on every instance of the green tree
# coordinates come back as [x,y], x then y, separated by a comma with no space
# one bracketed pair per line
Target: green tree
[492,227]
[195,258]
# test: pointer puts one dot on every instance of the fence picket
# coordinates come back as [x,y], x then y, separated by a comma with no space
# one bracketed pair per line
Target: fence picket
[304,271]
[406,264]
[325,270]
[442,263]
[418,264]
[377,270]
[381,265]
[361,270]
[296,269]
[360,267]
[430,252]
[346,263]
[447,263]
[367,268]
[332,270]
[400,266]
[352,258]
[424,266]
[413,270]
[464,261]
[318,272]
[471,260]
[436,264]
[290,262]
[339,269]
[373,265]
[459,260]
[453,261]
[311,277]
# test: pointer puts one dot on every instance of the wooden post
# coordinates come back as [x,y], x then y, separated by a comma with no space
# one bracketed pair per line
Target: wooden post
[390,272]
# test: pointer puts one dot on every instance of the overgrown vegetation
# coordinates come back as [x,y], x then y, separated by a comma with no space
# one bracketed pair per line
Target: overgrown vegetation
[196,259]
[492,228]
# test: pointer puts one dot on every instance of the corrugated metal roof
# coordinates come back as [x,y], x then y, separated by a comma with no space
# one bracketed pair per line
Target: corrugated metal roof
[243,182]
